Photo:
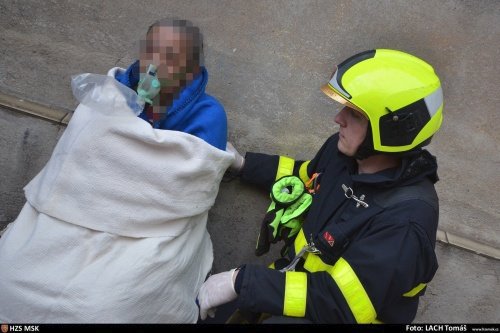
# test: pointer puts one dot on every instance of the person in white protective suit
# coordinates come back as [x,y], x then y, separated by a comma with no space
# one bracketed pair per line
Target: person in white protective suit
[114,226]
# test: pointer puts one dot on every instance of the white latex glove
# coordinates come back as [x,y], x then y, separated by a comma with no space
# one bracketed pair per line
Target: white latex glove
[217,290]
[239,160]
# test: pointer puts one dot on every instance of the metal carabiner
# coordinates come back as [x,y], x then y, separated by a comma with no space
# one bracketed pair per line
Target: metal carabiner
[310,247]
[359,201]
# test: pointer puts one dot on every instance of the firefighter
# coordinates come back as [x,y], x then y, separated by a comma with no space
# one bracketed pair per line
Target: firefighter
[365,250]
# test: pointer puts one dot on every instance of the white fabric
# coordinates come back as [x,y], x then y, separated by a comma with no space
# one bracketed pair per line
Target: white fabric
[114,228]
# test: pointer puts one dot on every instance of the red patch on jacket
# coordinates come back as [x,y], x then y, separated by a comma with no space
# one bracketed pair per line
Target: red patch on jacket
[329,238]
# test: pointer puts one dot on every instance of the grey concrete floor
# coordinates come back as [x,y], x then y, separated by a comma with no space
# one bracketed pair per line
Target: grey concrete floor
[266,61]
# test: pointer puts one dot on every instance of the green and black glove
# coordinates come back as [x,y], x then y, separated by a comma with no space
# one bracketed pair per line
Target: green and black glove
[283,220]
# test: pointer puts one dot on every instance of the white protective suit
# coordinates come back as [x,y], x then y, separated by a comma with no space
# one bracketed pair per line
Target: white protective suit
[114,227]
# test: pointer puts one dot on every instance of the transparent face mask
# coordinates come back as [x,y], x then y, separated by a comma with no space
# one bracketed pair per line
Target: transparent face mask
[149,86]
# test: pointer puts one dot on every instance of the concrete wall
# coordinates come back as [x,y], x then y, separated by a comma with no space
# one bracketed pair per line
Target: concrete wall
[26,144]
[267,60]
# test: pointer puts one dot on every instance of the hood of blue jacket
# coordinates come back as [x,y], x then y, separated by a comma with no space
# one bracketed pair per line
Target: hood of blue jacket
[192,111]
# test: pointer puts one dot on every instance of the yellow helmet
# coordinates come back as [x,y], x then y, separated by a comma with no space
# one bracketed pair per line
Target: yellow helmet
[399,93]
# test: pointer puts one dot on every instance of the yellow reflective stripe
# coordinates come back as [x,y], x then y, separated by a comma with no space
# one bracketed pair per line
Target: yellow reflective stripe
[346,279]
[415,290]
[300,241]
[285,167]
[353,291]
[314,263]
[271,265]
[295,294]
[303,172]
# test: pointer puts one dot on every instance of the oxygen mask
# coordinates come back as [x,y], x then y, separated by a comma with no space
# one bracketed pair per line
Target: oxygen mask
[149,85]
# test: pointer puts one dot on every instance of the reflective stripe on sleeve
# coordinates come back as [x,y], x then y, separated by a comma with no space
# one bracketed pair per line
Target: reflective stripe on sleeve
[303,172]
[295,294]
[346,279]
[285,167]
[415,290]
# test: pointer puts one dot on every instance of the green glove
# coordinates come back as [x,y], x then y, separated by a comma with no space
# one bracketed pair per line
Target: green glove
[284,216]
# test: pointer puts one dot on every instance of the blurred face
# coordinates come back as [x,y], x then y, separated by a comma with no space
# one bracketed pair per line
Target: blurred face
[171,51]
[353,127]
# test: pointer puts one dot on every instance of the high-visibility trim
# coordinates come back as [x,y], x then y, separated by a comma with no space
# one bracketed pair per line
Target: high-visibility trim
[434,101]
[300,241]
[315,264]
[303,172]
[295,294]
[354,293]
[346,279]
[285,167]
[271,265]
[415,290]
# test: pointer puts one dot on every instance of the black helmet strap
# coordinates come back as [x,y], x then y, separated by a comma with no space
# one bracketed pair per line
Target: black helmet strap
[366,148]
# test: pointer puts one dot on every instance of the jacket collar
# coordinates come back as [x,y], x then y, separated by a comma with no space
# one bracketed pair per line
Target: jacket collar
[414,167]
[189,94]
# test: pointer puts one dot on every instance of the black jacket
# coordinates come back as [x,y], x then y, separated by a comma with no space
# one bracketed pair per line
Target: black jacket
[389,245]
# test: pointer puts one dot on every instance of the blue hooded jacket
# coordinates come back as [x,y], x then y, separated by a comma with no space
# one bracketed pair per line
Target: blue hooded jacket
[193,111]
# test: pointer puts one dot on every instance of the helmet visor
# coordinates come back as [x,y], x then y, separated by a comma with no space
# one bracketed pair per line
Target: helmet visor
[330,91]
